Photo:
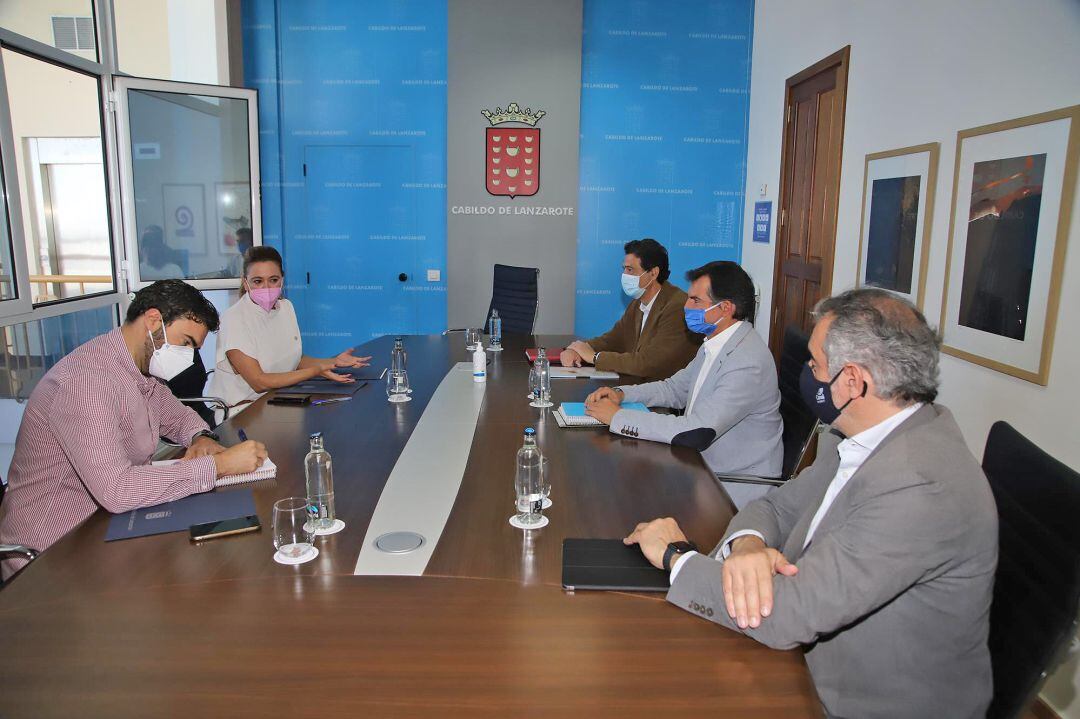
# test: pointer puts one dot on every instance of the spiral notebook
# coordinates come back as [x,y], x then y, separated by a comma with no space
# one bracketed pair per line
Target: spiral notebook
[268,470]
[573,414]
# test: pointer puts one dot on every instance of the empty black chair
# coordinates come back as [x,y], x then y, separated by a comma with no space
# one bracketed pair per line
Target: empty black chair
[1037,585]
[188,388]
[515,294]
[800,425]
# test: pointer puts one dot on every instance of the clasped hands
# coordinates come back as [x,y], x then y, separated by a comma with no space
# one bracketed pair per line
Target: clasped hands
[604,403]
[577,353]
[747,572]
[345,359]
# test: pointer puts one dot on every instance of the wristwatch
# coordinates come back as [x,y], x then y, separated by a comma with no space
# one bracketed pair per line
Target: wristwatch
[677,548]
[205,433]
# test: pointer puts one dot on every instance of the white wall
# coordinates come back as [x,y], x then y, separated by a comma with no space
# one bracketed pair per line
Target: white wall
[920,71]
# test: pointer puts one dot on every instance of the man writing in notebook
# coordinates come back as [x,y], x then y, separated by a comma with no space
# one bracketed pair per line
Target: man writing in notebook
[92,424]
[650,340]
[879,558]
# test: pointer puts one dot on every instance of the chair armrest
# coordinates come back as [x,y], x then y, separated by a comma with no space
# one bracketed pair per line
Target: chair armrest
[27,553]
[750,479]
[214,401]
[453,329]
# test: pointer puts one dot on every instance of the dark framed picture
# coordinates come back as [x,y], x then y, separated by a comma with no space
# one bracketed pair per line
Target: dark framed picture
[1012,197]
[894,233]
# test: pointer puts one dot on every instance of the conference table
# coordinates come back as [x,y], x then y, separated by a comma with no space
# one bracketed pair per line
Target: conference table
[163,627]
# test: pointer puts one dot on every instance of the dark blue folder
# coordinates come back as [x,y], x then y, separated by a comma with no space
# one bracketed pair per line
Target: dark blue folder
[180,514]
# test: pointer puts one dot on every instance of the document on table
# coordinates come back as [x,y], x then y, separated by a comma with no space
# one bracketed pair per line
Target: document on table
[581,373]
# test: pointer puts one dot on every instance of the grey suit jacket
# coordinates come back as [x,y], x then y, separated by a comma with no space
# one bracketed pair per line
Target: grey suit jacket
[736,419]
[892,597]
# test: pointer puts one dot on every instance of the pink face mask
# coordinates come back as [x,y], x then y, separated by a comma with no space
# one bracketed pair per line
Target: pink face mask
[265,297]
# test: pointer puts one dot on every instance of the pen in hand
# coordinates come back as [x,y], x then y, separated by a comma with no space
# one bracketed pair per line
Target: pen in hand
[243,435]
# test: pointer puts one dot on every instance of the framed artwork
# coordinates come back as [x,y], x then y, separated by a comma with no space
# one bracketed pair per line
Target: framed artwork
[184,207]
[1012,197]
[233,200]
[894,233]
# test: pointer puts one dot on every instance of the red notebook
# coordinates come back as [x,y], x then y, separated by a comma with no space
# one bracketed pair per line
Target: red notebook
[553,354]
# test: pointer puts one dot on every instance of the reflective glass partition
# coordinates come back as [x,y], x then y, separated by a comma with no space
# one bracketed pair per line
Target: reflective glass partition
[191,157]
[55,115]
[66,25]
[9,289]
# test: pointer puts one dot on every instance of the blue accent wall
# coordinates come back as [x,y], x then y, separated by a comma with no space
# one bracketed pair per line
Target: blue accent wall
[352,108]
[664,109]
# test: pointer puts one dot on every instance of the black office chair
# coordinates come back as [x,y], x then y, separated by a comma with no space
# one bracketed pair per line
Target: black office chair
[515,294]
[14,550]
[188,387]
[1037,586]
[800,426]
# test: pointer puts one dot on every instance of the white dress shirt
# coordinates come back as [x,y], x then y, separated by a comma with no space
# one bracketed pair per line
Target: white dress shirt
[712,346]
[853,452]
[645,310]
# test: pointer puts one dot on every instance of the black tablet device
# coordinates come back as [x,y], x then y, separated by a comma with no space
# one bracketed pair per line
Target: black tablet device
[609,564]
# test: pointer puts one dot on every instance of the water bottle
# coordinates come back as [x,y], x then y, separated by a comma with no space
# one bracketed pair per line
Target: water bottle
[399,358]
[528,482]
[479,363]
[542,379]
[495,329]
[319,473]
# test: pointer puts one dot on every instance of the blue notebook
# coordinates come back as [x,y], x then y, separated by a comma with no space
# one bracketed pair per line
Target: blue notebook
[178,515]
[577,409]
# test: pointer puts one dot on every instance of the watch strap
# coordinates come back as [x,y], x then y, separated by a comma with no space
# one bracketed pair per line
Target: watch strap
[206,433]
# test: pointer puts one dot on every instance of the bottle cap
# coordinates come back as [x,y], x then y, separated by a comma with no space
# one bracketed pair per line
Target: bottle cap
[529,431]
[316,435]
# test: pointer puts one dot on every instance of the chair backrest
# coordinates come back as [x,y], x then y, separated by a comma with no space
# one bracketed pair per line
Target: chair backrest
[799,423]
[190,383]
[1037,585]
[515,294]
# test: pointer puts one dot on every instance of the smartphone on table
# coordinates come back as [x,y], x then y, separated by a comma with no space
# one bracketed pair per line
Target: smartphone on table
[213,530]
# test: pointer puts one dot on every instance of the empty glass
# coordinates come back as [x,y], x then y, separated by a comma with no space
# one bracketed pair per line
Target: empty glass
[472,338]
[397,386]
[293,536]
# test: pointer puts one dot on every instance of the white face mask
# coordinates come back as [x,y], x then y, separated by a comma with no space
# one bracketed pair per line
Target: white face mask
[169,360]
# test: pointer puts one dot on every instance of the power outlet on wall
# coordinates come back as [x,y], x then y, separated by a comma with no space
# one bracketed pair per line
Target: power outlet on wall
[434,275]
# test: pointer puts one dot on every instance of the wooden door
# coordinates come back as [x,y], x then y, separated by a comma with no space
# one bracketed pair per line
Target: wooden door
[809,185]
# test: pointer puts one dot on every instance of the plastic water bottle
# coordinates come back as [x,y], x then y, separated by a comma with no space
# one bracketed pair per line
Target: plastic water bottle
[495,329]
[319,473]
[479,363]
[542,374]
[528,481]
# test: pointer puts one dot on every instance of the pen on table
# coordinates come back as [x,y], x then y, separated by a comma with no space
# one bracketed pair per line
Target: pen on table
[243,435]
[330,400]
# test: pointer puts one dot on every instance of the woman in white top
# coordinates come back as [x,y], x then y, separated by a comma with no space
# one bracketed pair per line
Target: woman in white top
[259,347]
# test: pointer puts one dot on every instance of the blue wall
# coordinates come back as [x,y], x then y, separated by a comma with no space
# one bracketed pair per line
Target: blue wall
[357,91]
[352,108]
[664,109]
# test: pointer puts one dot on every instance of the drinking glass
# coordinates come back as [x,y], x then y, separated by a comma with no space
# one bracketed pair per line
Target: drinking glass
[533,382]
[397,386]
[472,338]
[293,534]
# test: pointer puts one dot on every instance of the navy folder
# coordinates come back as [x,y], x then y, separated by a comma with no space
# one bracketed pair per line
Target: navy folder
[178,515]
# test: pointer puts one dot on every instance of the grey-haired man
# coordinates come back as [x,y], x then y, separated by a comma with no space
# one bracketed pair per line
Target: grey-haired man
[879,558]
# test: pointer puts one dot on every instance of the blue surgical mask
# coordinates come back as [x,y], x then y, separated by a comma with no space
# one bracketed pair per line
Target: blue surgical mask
[630,286]
[695,320]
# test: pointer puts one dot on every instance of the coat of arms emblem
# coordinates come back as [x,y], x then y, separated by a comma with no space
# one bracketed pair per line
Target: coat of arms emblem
[512,151]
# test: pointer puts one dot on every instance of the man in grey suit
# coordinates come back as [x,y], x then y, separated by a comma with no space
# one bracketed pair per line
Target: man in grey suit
[879,558]
[728,392]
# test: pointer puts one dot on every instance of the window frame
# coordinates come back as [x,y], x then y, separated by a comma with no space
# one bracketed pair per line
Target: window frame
[127,195]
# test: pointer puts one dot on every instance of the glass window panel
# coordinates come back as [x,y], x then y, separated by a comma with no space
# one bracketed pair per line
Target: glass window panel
[28,350]
[56,122]
[65,24]
[186,44]
[8,287]
[191,175]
